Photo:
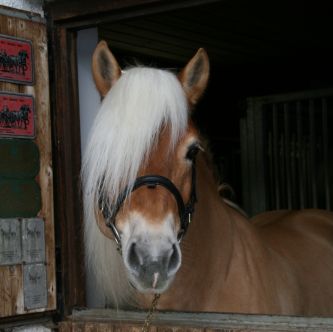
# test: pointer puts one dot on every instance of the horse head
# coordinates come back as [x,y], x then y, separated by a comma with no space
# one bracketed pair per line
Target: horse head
[23,54]
[139,165]
[25,108]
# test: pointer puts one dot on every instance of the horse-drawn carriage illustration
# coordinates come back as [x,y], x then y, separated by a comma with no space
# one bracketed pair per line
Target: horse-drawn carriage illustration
[15,118]
[16,60]
[16,115]
[14,63]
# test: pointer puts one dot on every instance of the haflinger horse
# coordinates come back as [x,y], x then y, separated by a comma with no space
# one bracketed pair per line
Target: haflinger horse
[156,224]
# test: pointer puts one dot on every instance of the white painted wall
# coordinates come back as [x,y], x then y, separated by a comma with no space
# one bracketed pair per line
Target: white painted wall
[34,6]
[89,101]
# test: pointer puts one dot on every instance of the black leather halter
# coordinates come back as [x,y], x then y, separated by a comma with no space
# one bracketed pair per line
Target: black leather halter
[185,211]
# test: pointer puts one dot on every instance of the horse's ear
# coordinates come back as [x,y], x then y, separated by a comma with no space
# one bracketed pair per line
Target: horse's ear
[105,68]
[194,77]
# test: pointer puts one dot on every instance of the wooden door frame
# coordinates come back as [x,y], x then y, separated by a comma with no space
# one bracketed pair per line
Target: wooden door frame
[66,161]
[64,20]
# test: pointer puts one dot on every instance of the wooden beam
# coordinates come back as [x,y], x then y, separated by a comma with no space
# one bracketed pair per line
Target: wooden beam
[98,320]
[67,162]
[67,10]
[78,14]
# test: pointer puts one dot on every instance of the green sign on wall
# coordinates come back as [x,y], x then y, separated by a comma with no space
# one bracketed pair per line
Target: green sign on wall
[19,191]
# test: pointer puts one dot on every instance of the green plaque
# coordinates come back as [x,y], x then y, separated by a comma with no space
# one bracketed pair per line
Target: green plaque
[19,198]
[19,159]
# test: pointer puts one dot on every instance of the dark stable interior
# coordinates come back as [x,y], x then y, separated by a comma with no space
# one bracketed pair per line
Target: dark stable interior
[255,48]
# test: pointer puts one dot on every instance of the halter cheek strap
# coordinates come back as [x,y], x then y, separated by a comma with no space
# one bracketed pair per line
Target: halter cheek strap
[185,211]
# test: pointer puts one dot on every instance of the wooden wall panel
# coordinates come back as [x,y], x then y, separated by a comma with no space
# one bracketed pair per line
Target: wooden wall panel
[11,290]
[11,287]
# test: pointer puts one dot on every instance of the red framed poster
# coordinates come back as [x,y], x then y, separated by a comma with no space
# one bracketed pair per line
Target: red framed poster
[16,60]
[17,115]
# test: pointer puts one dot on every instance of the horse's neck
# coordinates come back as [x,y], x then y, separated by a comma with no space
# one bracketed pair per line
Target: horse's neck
[213,228]
[219,242]
[229,232]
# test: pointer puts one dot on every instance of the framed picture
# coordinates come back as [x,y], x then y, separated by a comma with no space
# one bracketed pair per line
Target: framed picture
[17,115]
[16,60]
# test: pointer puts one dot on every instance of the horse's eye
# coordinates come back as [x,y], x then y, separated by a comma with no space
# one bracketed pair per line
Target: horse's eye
[192,151]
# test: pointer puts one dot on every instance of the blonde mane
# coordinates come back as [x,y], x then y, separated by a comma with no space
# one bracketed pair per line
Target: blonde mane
[127,125]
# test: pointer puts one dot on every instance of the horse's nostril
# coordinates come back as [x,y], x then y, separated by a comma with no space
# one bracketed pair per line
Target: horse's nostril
[133,257]
[174,260]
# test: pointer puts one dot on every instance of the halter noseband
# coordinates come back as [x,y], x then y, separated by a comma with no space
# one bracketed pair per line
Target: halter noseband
[185,211]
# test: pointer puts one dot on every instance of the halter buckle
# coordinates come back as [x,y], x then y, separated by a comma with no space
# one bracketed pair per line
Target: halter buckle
[116,234]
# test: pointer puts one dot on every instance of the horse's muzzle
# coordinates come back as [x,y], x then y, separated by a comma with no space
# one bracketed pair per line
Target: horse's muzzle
[152,269]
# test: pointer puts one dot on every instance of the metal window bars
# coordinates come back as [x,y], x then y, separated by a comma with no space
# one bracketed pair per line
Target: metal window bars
[287,152]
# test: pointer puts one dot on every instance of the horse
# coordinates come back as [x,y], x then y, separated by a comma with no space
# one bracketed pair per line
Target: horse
[23,116]
[22,62]
[155,223]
